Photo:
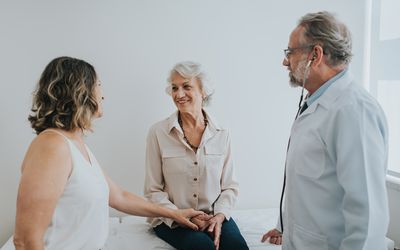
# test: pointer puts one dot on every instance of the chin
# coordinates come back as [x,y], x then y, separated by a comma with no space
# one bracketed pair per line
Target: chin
[182,107]
[294,82]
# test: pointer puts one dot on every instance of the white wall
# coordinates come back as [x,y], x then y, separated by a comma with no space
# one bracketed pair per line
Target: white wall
[384,84]
[133,44]
[393,186]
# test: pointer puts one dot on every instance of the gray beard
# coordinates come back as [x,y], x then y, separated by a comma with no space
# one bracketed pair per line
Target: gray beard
[293,82]
[296,77]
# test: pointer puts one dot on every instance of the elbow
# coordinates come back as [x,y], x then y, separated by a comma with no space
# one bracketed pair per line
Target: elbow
[27,242]
[113,203]
[21,243]
[117,200]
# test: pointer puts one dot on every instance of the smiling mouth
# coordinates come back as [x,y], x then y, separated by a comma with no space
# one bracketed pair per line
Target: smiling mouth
[182,101]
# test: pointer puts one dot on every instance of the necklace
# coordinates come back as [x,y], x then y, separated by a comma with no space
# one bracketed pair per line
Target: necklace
[184,135]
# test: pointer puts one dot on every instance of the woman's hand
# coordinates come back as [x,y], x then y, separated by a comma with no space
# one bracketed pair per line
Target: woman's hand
[215,228]
[183,216]
[202,221]
[274,235]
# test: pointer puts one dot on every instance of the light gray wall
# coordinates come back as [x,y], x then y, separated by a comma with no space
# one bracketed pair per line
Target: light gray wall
[133,44]
[394,204]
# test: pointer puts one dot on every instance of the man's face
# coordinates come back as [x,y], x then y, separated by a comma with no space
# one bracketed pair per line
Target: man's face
[296,60]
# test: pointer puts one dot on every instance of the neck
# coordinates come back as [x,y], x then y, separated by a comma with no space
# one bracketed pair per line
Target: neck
[76,134]
[321,77]
[192,134]
[191,119]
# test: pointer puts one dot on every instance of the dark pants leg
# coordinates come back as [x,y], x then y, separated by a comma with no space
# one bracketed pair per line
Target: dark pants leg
[187,239]
[231,238]
[184,238]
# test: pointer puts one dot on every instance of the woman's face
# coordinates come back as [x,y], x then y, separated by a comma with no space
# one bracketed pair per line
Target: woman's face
[186,93]
[98,93]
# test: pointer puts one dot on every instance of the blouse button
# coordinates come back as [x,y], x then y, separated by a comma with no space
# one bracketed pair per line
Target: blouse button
[195,163]
[195,179]
[195,195]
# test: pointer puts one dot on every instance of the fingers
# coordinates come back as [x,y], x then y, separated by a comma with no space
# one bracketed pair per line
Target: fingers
[274,236]
[204,216]
[197,217]
[217,235]
[202,221]
[202,224]
[215,230]
[190,224]
[193,213]
[204,227]
[211,227]
[265,237]
[277,240]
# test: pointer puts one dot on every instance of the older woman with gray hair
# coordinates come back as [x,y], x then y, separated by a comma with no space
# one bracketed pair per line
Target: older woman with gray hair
[189,165]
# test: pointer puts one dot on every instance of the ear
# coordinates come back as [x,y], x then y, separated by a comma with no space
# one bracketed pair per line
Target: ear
[203,97]
[317,54]
[203,93]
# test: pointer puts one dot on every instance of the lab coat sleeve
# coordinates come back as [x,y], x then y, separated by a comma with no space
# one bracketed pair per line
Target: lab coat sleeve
[361,152]
[229,186]
[154,179]
[278,223]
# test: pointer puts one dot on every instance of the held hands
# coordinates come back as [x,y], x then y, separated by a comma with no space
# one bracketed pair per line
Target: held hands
[182,217]
[202,221]
[274,235]
[215,228]
[212,224]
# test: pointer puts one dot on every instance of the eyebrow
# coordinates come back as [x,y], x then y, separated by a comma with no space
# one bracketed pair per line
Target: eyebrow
[187,82]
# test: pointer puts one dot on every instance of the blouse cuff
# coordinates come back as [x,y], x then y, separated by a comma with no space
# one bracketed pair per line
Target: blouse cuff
[225,211]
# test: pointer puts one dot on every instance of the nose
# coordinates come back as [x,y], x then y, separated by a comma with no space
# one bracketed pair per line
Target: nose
[180,93]
[285,62]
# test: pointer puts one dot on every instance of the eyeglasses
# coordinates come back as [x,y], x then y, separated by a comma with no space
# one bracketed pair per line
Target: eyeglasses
[287,52]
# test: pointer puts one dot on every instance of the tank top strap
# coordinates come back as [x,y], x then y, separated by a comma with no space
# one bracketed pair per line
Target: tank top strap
[57,132]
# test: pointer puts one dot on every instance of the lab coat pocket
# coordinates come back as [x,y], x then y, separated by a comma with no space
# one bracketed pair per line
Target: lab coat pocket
[174,160]
[304,239]
[309,158]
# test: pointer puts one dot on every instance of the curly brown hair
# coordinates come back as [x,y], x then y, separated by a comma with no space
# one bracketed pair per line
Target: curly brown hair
[65,96]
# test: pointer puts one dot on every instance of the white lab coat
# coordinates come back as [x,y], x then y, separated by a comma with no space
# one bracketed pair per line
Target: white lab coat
[336,166]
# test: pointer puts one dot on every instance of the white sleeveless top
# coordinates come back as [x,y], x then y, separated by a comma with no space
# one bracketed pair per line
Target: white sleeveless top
[80,220]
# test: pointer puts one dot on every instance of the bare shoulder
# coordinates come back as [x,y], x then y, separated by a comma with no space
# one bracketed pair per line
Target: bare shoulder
[46,149]
[51,140]
[45,172]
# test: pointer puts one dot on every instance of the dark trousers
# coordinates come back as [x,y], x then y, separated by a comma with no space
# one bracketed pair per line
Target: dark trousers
[187,239]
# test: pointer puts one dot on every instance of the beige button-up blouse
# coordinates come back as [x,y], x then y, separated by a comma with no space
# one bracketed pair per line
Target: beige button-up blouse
[177,177]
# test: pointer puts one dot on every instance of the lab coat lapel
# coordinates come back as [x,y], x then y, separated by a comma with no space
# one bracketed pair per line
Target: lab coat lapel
[327,99]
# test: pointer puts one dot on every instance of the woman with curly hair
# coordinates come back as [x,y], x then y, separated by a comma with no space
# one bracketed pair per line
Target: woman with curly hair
[64,195]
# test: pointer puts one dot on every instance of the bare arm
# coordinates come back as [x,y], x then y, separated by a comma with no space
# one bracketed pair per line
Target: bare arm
[133,204]
[45,171]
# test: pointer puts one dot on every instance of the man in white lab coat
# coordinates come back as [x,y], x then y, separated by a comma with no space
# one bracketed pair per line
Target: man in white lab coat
[335,195]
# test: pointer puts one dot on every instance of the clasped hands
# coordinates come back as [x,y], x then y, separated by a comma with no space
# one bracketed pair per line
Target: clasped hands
[211,224]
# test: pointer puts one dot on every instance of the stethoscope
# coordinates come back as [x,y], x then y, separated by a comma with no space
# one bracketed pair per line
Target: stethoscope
[302,102]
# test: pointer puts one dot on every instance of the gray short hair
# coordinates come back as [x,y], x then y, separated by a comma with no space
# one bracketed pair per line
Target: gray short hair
[324,29]
[188,69]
